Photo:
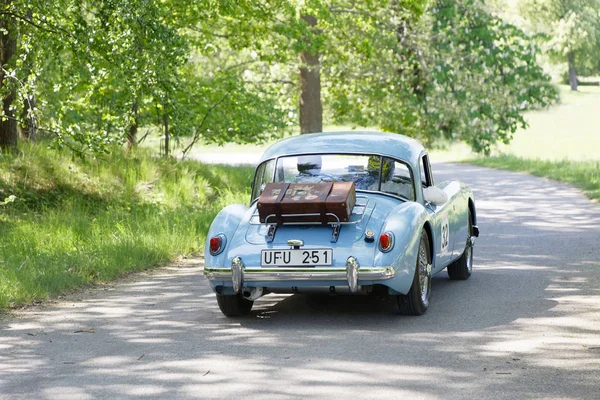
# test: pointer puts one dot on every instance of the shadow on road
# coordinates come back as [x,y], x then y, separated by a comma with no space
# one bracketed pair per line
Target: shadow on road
[526,325]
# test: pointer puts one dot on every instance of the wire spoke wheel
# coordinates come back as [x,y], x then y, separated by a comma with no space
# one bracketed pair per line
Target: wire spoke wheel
[416,301]
[424,273]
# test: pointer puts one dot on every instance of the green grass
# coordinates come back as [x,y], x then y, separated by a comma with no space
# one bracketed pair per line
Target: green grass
[561,143]
[74,223]
[584,175]
[567,131]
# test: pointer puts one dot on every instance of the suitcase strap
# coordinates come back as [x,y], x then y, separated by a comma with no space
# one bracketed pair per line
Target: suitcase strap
[323,203]
[278,217]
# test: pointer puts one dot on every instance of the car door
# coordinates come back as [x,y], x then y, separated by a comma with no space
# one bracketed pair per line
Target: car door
[441,217]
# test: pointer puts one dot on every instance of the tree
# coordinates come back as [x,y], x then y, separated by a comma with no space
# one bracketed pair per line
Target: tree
[573,28]
[276,48]
[99,71]
[94,73]
[310,107]
[457,73]
[8,87]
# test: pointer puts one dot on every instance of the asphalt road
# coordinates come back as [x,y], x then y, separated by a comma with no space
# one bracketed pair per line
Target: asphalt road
[526,325]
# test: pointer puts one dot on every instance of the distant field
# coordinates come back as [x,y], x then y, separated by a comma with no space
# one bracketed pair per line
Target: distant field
[562,143]
[570,130]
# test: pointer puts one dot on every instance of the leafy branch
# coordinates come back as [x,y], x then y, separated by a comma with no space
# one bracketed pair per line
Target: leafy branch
[198,130]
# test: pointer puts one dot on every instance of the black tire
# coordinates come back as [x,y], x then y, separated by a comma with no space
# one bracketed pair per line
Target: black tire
[462,268]
[234,305]
[416,301]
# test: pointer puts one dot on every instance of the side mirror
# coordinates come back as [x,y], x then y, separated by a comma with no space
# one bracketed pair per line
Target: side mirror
[435,195]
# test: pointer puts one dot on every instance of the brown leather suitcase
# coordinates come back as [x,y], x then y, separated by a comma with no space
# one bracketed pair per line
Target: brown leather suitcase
[290,202]
[306,198]
[341,200]
[269,202]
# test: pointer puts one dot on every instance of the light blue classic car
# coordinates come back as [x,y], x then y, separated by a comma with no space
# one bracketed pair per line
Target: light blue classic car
[402,230]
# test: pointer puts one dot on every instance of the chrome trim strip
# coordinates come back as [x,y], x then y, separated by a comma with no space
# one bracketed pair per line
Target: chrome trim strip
[305,222]
[253,274]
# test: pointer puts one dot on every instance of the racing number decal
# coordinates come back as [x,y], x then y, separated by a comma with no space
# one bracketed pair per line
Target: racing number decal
[445,235]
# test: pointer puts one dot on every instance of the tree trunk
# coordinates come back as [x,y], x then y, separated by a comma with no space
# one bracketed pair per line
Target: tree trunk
[27,122]
[572,71]
[166,124]
[8,48]
[311,109]
[133,129]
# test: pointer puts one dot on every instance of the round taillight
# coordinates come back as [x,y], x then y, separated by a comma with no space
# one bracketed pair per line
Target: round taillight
[386,242]
[216,244]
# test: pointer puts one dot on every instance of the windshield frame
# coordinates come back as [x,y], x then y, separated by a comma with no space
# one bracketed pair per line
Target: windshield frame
[381,156]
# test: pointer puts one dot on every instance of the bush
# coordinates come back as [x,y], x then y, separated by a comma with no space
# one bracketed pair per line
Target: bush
[71,222]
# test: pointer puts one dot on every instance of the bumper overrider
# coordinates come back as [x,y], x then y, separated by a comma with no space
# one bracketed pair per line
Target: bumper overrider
[239,274]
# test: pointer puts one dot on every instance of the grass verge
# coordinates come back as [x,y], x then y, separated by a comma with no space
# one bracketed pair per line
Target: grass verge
[584,175]
[66,222]
[568,130]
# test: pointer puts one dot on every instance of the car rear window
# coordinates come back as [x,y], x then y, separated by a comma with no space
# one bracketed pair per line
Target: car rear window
[366,171]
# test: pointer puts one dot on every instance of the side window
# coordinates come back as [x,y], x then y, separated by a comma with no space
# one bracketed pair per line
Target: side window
[264,175]
[426,179]
[396,179]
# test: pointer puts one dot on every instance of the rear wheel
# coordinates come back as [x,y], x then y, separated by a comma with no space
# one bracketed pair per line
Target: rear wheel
[416,301]
[234,305]
[462,268]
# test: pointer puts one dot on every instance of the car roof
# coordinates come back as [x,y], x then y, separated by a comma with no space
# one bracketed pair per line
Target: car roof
[387,144]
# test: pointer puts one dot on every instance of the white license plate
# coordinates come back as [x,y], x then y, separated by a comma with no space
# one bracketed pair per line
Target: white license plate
[296,257]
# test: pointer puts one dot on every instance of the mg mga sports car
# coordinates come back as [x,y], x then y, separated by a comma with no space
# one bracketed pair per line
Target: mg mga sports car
[344,212]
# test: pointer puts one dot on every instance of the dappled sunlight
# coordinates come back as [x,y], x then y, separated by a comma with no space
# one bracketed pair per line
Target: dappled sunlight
[504,266]
[68,393]
[292,349]
[536,203]
[526,325]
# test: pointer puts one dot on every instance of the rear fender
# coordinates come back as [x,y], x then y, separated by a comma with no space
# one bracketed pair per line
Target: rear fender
[406,222]
[225,223]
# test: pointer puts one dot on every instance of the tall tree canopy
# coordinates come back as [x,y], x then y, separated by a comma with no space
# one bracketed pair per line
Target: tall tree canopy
[97,70]
[457,73]
[92,73]
[573,30]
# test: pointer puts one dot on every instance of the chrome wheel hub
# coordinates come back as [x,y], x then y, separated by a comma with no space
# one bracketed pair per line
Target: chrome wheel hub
[424,274]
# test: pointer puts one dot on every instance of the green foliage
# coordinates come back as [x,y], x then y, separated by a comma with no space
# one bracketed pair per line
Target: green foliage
[570,26]
[584,175]
[9,199]
[76,222]
[228,71]
[96,69]
[458,73]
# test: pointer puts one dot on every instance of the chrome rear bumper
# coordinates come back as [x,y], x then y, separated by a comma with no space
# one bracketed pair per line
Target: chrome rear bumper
[239,274]
[299,274]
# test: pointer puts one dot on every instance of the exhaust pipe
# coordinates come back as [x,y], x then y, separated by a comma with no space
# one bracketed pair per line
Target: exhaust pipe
[253,293]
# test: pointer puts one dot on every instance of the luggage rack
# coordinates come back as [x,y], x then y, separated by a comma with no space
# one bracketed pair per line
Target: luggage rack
[336,226]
